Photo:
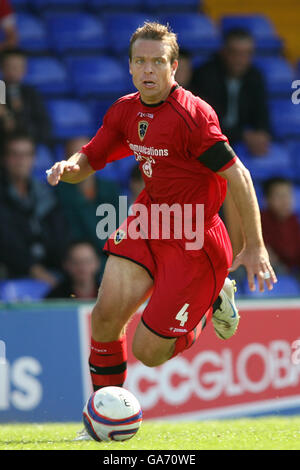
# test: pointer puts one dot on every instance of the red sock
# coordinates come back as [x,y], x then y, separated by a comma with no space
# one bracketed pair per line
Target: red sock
[108,363]
[185,342]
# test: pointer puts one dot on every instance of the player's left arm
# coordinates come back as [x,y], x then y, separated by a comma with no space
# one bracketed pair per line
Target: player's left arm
[254,255]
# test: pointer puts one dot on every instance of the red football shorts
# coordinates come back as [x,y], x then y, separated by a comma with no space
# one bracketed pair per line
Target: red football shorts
[186,282]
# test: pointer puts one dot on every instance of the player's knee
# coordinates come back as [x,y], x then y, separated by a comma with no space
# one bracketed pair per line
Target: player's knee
[104,323]
[147,356]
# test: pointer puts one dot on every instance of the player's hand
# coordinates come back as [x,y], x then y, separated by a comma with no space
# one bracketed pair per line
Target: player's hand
[257,264]
[59,169]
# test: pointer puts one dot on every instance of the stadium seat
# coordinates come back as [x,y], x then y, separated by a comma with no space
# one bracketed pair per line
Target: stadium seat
[76,32]
[20,5]
[41,5]
[98,108]
[48,75]
[114,5]
[278,74]
[293,147]
[266,39]
[276,162]
[172,5]
[287,286]
[32,33]
[43,161]
[296,194]
[20,290]
[195,32]
[120,26]
[119,171]
[285,118]
[70,118]
[100,75]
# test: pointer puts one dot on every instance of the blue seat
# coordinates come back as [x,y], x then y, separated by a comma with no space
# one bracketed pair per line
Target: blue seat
[276,162]
[287,286]
[259,26]
[278,74]
[41,5]
[293,147]
[195,32]
[98,109]
[171,5]
[70,118]
[76,32]
[20,5]
[43,161]
[119,171]
[100,75]
[48,75]
[32,33]
[296,197]
[285,118]
[20,290]
[114,5]
[120,27]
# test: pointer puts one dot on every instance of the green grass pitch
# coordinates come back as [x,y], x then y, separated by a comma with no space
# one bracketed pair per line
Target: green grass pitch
[256,433]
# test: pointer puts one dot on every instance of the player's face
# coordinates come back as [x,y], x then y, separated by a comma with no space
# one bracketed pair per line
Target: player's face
[151,69]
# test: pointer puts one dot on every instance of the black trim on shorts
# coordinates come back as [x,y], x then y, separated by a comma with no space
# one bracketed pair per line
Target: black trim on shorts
[155,332]
[217,156]
[107,252]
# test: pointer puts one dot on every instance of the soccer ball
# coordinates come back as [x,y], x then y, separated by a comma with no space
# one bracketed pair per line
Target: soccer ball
[112,414]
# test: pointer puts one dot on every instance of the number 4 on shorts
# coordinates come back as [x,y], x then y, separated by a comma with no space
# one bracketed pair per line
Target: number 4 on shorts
[183,315]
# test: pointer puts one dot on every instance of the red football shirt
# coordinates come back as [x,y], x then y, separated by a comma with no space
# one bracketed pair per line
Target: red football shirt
[6,12]
[167,141]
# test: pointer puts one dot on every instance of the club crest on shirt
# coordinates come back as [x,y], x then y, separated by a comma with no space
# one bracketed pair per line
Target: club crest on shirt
[120,234]
[142,129]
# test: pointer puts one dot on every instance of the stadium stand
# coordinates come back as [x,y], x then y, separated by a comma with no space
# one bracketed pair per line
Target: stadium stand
[48,75]
[70,118]
[278,74]
[196,32]
[74,53]
[121,26]
[32,33]
[266,39]
[92,76]
[20,290]
[80,32]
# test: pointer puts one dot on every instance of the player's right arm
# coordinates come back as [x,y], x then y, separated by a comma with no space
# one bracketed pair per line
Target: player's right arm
[74,170]
[107,145]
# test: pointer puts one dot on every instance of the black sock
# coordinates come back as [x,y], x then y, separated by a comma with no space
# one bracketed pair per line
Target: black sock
[217,304]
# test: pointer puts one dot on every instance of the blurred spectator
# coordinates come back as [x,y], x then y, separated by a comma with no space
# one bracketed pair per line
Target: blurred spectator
[24,110]
[235,89]
[79,202]
[281,227]
[8,28]
[81,267]
[33,231]
[185,70]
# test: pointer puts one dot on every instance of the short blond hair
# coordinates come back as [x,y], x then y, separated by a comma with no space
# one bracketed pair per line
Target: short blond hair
[156,32]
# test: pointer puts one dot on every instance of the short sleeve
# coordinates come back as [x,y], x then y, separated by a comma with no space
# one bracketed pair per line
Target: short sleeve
[109,143]
[207,143]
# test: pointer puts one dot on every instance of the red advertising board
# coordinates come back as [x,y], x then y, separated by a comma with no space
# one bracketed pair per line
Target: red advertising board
[256,371]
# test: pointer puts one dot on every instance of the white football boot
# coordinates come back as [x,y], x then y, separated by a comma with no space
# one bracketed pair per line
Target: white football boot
[226,318]
[83,436]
